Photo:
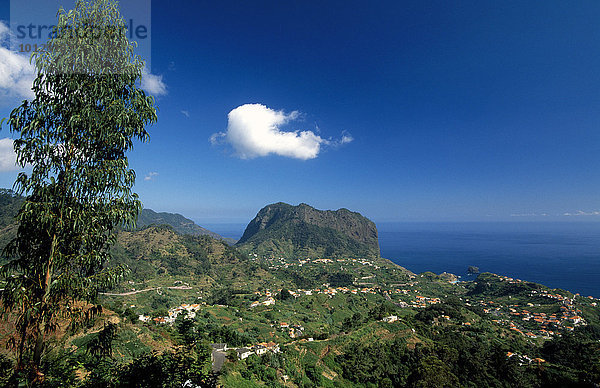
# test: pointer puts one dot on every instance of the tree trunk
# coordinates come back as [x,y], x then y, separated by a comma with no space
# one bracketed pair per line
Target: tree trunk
[41,324]
[38,376]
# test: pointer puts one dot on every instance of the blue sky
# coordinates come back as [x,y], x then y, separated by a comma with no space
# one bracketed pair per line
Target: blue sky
[434,111]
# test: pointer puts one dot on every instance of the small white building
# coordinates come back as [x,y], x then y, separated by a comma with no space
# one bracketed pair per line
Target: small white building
[260,350]
[244,353]
[220,347]
[390,319]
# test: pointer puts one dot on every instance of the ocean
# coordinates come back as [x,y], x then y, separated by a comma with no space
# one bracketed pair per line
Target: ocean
[559,255]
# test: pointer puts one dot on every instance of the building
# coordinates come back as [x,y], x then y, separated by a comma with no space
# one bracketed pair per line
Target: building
[260,349]
[244,353]
[219,347]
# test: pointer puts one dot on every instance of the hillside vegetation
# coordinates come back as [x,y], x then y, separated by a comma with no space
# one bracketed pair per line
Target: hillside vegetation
[178,222]
[351,320]
[303,231]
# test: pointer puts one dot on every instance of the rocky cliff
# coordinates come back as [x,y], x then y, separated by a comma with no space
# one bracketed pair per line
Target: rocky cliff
[303,231]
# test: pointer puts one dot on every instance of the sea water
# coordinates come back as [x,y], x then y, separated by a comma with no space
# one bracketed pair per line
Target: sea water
[559,255]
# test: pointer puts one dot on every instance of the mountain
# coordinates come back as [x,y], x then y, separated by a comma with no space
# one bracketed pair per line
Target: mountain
[10,203]
[178,222]
[303,231]
[159,251]
[325,323]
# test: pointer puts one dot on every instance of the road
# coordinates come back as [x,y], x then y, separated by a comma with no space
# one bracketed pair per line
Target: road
[146,290]
[218,360]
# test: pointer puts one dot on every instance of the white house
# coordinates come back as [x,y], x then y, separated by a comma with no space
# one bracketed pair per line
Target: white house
[260,349]
[244,353]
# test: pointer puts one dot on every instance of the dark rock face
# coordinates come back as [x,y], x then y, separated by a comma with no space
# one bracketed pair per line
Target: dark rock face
[304,231]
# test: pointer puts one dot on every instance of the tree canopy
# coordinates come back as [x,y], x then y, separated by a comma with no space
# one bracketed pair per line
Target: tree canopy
[87,112]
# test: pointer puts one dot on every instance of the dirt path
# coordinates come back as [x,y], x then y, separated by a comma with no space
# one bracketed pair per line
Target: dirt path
[146,290]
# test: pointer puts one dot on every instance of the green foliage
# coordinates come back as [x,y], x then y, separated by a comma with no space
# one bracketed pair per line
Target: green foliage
[340,279]
[371,363]
[178,222]
[302,231]
[462,358]
[101,346]
[259,369]
[431,372]
[130,315]
[222,296]
[86,113]
[186,330]
[490,285]
[10,203]
[170,369]
[284,295]
[158,251]
[577,354]
[381,310]
[300,280]
[433,311]
[160,302]
[314,374]
[225,334]
[6,367]
[352,322]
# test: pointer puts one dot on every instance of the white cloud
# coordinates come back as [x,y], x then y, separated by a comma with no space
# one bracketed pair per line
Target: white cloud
[16,73]
[150,176]
[8,158]
[153,84]
[254,130]
[579,213]
[185,113]
[529,215]
[346,138]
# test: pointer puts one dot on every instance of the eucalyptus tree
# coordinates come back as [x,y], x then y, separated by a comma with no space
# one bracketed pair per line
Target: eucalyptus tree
[72,140]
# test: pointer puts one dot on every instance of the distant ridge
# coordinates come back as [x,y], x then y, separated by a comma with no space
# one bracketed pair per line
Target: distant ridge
[10,203]
[178,222]
[303,231]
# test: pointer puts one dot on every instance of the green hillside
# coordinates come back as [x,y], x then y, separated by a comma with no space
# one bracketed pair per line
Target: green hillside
[10,203]
[303,231]
[161,252]
[178,222]
[338,319]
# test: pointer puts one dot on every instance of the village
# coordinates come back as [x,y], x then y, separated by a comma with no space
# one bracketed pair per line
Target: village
[522,317]
[190,311]
[280,262]
[530,324]
[220,350]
